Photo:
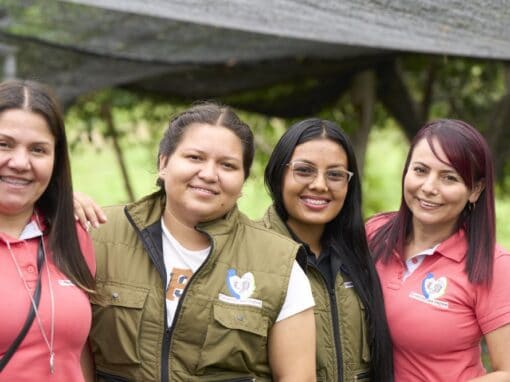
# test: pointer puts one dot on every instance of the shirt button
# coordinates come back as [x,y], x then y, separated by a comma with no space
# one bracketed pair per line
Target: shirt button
[414,260]
[30,269]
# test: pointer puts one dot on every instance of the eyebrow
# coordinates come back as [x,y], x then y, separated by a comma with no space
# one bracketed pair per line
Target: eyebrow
[187,149]
[313,164]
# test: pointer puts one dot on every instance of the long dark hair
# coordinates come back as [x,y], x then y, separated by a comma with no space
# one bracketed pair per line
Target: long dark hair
[468,153]
[56,202]
[346,233]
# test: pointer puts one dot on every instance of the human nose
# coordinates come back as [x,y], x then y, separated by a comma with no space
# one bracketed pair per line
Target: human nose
[429,184]
[19,160]
[319,182]
[208,172]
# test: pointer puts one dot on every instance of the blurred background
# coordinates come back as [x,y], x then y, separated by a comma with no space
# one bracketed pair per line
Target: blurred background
[380,69]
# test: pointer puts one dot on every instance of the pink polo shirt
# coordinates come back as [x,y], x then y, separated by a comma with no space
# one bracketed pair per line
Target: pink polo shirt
[72,312]
[436,316]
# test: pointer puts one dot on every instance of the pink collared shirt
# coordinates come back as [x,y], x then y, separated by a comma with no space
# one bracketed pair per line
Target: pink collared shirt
[436,316]
[72,312]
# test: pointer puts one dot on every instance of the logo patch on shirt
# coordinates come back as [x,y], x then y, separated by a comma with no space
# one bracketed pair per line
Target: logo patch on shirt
[240,288]
[65,283]
[432,289]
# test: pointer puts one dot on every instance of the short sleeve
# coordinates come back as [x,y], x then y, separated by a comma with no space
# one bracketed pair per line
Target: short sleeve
[299,294]
[493,303]
[87,248]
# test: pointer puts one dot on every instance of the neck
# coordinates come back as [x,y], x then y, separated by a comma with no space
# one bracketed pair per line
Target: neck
[309,234]
[185,233]
[425,237]
[13,225]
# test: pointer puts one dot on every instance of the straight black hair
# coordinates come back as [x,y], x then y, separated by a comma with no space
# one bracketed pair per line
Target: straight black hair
[346,233]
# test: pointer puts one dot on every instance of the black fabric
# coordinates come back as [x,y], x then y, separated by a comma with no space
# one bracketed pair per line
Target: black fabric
[192,50]
[31,314]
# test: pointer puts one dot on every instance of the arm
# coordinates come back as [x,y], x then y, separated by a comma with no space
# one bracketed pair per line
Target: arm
[292,348]
[87,211]
[498,343]
[87,364]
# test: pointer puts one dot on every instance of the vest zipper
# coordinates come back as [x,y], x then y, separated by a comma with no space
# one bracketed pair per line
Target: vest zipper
[169,331]
[111,377]
[336,322]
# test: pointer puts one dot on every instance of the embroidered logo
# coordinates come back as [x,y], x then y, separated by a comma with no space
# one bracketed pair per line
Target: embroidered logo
[432,289]
[65,283]
[240,288]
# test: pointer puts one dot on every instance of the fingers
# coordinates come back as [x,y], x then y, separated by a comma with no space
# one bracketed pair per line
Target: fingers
[87,212]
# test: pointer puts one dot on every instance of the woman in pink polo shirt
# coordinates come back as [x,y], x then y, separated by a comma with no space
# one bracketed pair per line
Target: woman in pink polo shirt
[446,283]
[46,259]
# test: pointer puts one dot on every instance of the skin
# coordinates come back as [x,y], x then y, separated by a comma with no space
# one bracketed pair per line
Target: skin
[27,155]
[436,195]
[311,206]
[203,179]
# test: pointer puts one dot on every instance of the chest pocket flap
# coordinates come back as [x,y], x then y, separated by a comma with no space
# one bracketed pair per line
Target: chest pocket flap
[233,317]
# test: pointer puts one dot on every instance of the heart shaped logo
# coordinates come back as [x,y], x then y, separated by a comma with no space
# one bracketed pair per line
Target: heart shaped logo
[432,288]
[240,287]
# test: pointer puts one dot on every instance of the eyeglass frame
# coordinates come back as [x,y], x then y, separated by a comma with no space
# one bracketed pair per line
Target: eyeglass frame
[291,164]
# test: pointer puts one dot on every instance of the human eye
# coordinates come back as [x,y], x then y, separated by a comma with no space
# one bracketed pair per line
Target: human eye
[451,178]
[229,166]
[194,157]
[4,145]
[419,170]
[337,175]
[304,170]
[39,150]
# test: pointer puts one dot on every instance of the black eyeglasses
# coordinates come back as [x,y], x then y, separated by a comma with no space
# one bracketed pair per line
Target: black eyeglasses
[306,173]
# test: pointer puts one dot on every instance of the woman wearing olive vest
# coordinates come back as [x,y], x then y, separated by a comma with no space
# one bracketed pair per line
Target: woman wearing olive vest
[312,179]
[192,289]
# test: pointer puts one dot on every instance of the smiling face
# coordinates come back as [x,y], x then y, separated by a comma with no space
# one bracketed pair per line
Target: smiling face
[27,155]
[316,204]
[204,176]
[434,192]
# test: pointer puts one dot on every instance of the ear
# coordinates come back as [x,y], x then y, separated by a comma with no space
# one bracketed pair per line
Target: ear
[163,160]
[476,191]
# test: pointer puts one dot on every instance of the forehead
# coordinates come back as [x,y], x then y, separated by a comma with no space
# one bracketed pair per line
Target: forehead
[211,139]
[320,150]
[25,125]
[423,152]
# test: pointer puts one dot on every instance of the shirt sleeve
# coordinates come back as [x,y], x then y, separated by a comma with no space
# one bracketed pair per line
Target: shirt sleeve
[493,303]
[87,248]
[299,294]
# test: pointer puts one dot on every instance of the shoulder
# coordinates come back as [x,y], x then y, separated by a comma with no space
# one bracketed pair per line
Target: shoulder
[374,223]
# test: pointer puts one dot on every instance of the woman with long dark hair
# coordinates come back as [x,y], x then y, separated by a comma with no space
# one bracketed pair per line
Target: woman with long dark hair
[313,179]
[46,260]
[445,281]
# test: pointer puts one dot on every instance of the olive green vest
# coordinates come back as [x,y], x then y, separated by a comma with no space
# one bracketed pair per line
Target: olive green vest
[353,346]
[215,336]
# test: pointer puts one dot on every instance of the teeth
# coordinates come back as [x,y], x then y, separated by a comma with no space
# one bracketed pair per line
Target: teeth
[428,204]
[203,190]
[15,181]
[317,202]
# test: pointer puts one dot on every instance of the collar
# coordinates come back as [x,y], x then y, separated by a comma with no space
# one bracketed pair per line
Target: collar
[455,247]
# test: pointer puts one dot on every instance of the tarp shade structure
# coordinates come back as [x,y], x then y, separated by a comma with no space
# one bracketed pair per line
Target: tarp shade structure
[192,49]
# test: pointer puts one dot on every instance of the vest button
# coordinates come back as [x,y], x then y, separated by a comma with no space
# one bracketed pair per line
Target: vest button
[115,295]
[240,317]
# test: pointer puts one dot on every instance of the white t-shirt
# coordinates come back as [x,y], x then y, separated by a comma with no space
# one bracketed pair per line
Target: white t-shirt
[181,263]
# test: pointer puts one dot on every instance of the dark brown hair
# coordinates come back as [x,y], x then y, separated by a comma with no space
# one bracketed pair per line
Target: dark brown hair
[56,202]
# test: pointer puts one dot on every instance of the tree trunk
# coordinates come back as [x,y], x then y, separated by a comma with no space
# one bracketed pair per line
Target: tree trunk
[106,114]
[363,97]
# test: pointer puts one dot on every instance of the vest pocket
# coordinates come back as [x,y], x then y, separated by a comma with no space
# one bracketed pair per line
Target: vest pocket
[362,376]
[116,324]
[236,339]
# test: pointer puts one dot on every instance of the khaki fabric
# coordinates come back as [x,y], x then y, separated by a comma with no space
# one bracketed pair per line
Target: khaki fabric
[212,339]
[353,347]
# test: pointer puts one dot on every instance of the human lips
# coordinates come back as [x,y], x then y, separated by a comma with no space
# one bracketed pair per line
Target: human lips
[314,202]
[15,181]
[204,190]
[428,204]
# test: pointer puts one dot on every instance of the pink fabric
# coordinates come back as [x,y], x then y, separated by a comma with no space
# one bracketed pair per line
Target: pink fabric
[436,317]
[72,315]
